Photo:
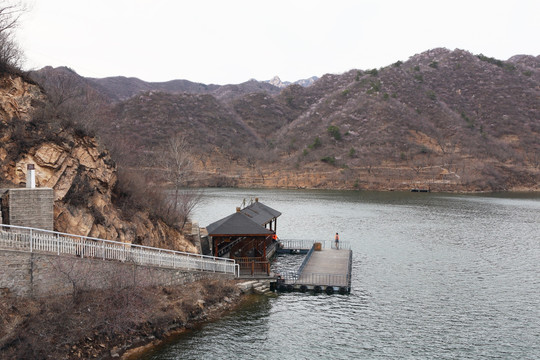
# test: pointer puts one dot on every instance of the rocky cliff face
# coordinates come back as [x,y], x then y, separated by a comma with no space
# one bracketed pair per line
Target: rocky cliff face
[16,97]
[81,173]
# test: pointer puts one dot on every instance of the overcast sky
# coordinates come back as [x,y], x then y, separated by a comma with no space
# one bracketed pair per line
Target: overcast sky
[229,41]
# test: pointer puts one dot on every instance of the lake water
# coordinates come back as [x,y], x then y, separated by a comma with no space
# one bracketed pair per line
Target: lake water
[435,276]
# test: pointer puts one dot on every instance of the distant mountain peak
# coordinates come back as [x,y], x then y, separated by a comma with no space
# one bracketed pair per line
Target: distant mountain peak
[276,81]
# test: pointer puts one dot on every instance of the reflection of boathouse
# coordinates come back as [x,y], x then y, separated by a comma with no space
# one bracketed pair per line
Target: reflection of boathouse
[247,236]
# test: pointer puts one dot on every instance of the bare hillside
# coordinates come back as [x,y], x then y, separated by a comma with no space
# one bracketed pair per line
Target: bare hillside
[444,120]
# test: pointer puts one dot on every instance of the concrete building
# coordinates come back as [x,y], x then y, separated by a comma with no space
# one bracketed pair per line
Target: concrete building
[30,206]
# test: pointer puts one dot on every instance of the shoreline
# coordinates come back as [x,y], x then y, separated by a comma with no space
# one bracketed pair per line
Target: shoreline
[535,191]
[399,179]
[122,323]
[214,314]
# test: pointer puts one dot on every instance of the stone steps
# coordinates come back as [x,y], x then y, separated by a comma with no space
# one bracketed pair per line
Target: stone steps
[255,286]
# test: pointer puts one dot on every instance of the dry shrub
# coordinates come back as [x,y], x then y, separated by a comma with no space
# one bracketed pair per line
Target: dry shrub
[215,290]
[132,193]
[13,312]
[136,191]
[62,323]
[96,321]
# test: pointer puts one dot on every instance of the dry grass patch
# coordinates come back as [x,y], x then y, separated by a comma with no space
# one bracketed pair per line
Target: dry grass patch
[93,322]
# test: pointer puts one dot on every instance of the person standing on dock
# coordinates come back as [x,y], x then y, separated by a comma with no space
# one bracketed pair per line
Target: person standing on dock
[336,239]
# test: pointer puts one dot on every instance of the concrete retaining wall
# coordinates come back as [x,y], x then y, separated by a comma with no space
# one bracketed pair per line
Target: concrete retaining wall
[37,275]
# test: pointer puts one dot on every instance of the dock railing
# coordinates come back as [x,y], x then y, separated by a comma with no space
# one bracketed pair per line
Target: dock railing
[306,260]
[342,245]
[38,240]
[271,248]
[327,279]
[295,244]
[350,270]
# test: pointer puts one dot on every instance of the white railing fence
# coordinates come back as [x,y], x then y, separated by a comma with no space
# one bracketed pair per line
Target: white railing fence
[299,244]
[326,279]
[307,244]
[30,239]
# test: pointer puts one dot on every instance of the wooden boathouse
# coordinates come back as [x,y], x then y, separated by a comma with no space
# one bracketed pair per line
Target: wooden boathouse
[248,236]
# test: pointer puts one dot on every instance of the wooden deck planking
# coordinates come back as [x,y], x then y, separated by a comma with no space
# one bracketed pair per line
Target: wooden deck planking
[328,267]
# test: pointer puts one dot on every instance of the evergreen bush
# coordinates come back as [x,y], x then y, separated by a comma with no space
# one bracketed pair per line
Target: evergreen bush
[334,132]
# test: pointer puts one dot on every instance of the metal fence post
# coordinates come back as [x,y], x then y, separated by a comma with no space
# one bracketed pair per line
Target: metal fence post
[31,240]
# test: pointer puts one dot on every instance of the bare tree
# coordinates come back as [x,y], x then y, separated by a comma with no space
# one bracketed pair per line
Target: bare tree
[62,88]
[177,164]
[187,201]
[10,54]
[418,165]
[78,273]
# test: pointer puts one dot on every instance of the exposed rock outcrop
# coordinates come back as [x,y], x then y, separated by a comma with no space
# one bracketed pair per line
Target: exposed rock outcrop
[82,174]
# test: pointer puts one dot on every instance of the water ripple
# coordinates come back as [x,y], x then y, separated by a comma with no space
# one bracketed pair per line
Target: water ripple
[434,277]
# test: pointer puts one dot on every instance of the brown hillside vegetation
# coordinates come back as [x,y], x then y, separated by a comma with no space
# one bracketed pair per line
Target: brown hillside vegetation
[89,198]
[444,120]
[104,324]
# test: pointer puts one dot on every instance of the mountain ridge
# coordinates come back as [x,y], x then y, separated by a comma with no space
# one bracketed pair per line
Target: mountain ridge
[120,88]
[444,119]
[276,81]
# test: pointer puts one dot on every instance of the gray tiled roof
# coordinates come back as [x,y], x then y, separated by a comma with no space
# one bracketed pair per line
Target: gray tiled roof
[260,213]
[237,224]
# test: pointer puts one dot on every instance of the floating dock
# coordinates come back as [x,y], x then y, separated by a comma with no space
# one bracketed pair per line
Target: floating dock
[324,269]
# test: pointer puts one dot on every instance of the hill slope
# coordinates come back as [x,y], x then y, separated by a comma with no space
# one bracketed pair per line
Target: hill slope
[441,119]
[447,120]
[88,200]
